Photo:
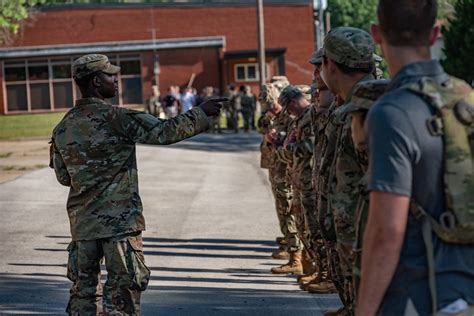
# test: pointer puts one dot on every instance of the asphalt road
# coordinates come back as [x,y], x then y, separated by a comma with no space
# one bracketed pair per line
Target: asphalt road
[210,232]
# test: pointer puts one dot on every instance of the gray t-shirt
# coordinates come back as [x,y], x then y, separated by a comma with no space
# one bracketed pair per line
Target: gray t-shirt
[406,159]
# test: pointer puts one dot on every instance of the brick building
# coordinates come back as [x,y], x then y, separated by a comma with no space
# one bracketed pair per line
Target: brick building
[214,42]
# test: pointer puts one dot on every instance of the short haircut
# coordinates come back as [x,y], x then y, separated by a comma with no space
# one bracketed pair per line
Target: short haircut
[84,81]
[407,22]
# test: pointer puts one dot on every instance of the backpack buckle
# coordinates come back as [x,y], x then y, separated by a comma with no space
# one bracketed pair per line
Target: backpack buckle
[447,220]
[435,126]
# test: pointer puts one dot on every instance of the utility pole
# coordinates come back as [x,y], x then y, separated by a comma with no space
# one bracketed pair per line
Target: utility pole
[261,43]
[156,59]
[319,6]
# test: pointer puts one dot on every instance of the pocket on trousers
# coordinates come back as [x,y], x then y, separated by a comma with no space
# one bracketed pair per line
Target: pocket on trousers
[72,261]
[141,273]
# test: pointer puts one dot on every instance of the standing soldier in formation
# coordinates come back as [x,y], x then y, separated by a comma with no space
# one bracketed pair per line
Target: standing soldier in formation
[348,59]
[93,153]
[277,172]
[268,95]
[365,95]
[299,146]
[321,282]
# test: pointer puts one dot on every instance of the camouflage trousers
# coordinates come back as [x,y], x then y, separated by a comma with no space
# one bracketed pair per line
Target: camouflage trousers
[282,194]
[360,223]
[312,238]
[127,276]
[344,223]
[294,225]
[326,222]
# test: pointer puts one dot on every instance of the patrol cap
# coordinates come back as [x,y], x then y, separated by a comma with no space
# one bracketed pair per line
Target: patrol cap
[91,63]
[280,82]
[293,92]
[316,57]
[364,96]
[268,95]
[349,46]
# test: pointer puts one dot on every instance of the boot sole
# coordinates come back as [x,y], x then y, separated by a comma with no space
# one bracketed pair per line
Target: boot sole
[321,292]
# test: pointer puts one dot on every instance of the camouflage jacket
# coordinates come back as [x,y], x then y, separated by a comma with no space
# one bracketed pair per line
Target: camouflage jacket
[263,126]
[346,172]
[301,151]
[282,124]
[319,120]
[93,152]
[326,150]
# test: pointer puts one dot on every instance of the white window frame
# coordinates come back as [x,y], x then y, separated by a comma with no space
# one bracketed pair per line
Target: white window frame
[246,72]
[60,60]
[50,81]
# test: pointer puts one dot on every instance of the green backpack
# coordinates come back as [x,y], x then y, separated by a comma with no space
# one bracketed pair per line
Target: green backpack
[454,122]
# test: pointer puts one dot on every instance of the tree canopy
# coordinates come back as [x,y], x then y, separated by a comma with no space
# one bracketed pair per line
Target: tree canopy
[458,37]
[356,13]
[12,12]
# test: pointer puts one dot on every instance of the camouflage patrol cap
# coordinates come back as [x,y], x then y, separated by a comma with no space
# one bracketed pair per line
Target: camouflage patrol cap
[293,92]
[280,82]
[316,57]
[91,63]
[365,95]
[268,95]
[349,46]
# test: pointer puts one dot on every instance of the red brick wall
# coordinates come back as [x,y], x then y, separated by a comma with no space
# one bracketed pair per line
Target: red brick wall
[2,90]
[178,65]
[289,26]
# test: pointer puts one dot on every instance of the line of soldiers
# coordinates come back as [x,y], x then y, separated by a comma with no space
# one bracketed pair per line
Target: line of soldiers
[373,178]
[314,149]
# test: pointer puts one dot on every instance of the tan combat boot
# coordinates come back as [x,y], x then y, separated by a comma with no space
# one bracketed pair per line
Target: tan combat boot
[281,254]
[294,266]
[305,280]
[281,241]
[308,263]
[321,286]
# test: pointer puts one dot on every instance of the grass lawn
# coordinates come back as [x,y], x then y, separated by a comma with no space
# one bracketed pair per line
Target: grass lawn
[28,125]
[41,125]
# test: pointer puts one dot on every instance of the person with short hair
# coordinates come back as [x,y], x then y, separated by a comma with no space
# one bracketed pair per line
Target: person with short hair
[348,59]
[406,166]
[93,152]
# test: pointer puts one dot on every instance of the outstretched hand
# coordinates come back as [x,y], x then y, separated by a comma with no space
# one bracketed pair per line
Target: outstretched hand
[212,107]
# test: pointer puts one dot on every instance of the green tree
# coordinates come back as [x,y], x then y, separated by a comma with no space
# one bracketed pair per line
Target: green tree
[12,12]
[356,13]
[458,37]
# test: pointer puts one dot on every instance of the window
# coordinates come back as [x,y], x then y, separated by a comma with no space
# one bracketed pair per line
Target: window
[16,98]
[32,84]
[62,92]
[47,84]
[247,72]
[130,80]
[39,93]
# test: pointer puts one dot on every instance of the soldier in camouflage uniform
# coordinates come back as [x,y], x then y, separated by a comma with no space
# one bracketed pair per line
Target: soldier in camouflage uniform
[93,153]
[365,95]
[322,282]
[276,131]
[264,125]
[299,149]
[347,60]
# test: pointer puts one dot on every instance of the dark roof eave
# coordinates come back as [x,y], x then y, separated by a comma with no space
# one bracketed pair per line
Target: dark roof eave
[111,47]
